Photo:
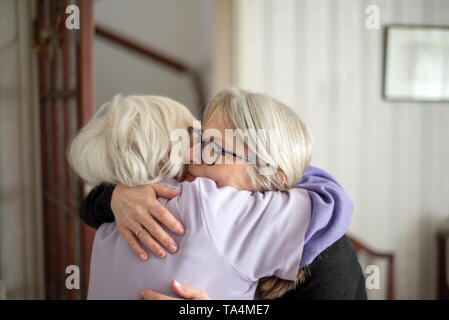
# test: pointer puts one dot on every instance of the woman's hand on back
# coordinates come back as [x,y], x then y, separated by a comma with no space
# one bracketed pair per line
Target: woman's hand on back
[181,289]
[137,208]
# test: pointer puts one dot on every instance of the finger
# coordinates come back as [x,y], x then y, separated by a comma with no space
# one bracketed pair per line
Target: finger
[151,244]
[164,191]
[133,226]
[187,292]
[152,295]
[158,233]
[133,243]
[166,218]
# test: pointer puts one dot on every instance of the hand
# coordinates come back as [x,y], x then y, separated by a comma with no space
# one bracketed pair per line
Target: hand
[136,207]
[183,290]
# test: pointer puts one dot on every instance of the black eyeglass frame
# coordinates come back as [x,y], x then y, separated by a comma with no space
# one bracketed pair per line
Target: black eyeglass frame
[221,150]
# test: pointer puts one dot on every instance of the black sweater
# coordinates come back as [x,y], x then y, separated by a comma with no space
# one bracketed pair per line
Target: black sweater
[335,273]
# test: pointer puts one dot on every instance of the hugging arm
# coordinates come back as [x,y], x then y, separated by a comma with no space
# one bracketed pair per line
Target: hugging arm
[330,218]
[331,210]
[96,208]
[132,208]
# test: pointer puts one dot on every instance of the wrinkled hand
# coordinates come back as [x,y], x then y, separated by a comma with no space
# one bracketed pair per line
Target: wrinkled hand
[136,207]
[181,289]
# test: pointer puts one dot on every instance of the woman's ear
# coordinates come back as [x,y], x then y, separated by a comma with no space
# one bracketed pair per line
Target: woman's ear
[282,178]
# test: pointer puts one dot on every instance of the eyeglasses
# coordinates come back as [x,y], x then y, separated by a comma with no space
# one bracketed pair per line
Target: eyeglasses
[213,149]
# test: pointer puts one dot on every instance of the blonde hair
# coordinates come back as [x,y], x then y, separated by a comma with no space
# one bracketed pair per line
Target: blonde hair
[289,150]
[128,141]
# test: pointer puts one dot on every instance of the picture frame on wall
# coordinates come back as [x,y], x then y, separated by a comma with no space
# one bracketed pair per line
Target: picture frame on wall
[416,63]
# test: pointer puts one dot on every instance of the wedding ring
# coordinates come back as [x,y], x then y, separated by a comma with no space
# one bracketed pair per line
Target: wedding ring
[138,231]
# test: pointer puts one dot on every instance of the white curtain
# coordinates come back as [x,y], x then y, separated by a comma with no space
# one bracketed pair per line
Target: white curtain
[392,158]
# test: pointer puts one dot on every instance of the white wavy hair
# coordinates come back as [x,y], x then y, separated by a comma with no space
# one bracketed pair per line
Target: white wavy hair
[289,151]
[128,141]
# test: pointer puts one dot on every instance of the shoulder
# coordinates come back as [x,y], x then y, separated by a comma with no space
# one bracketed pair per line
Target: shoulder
[258,234]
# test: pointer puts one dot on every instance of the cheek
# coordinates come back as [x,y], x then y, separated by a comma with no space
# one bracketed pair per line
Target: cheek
[242,174]
[224,175]
[217,173]
[234,175]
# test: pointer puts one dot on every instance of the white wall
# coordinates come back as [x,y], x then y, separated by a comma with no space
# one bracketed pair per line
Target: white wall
[21,247]
[392,158]
[178,28]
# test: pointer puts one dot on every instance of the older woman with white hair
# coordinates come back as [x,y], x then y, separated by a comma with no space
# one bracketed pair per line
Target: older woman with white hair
[244,235]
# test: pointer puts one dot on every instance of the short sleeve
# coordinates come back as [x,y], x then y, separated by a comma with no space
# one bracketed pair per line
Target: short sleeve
[257,234]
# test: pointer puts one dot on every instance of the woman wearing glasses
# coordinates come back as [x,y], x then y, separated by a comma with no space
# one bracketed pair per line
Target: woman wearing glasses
[236,231]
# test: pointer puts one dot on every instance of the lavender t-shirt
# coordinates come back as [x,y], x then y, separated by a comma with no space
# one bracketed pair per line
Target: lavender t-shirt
[233,238]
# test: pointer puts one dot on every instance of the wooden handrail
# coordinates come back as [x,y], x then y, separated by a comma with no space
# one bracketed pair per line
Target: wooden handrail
[358,246]
[155,56]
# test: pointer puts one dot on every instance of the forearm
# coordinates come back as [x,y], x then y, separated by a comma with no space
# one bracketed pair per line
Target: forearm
[96,207]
